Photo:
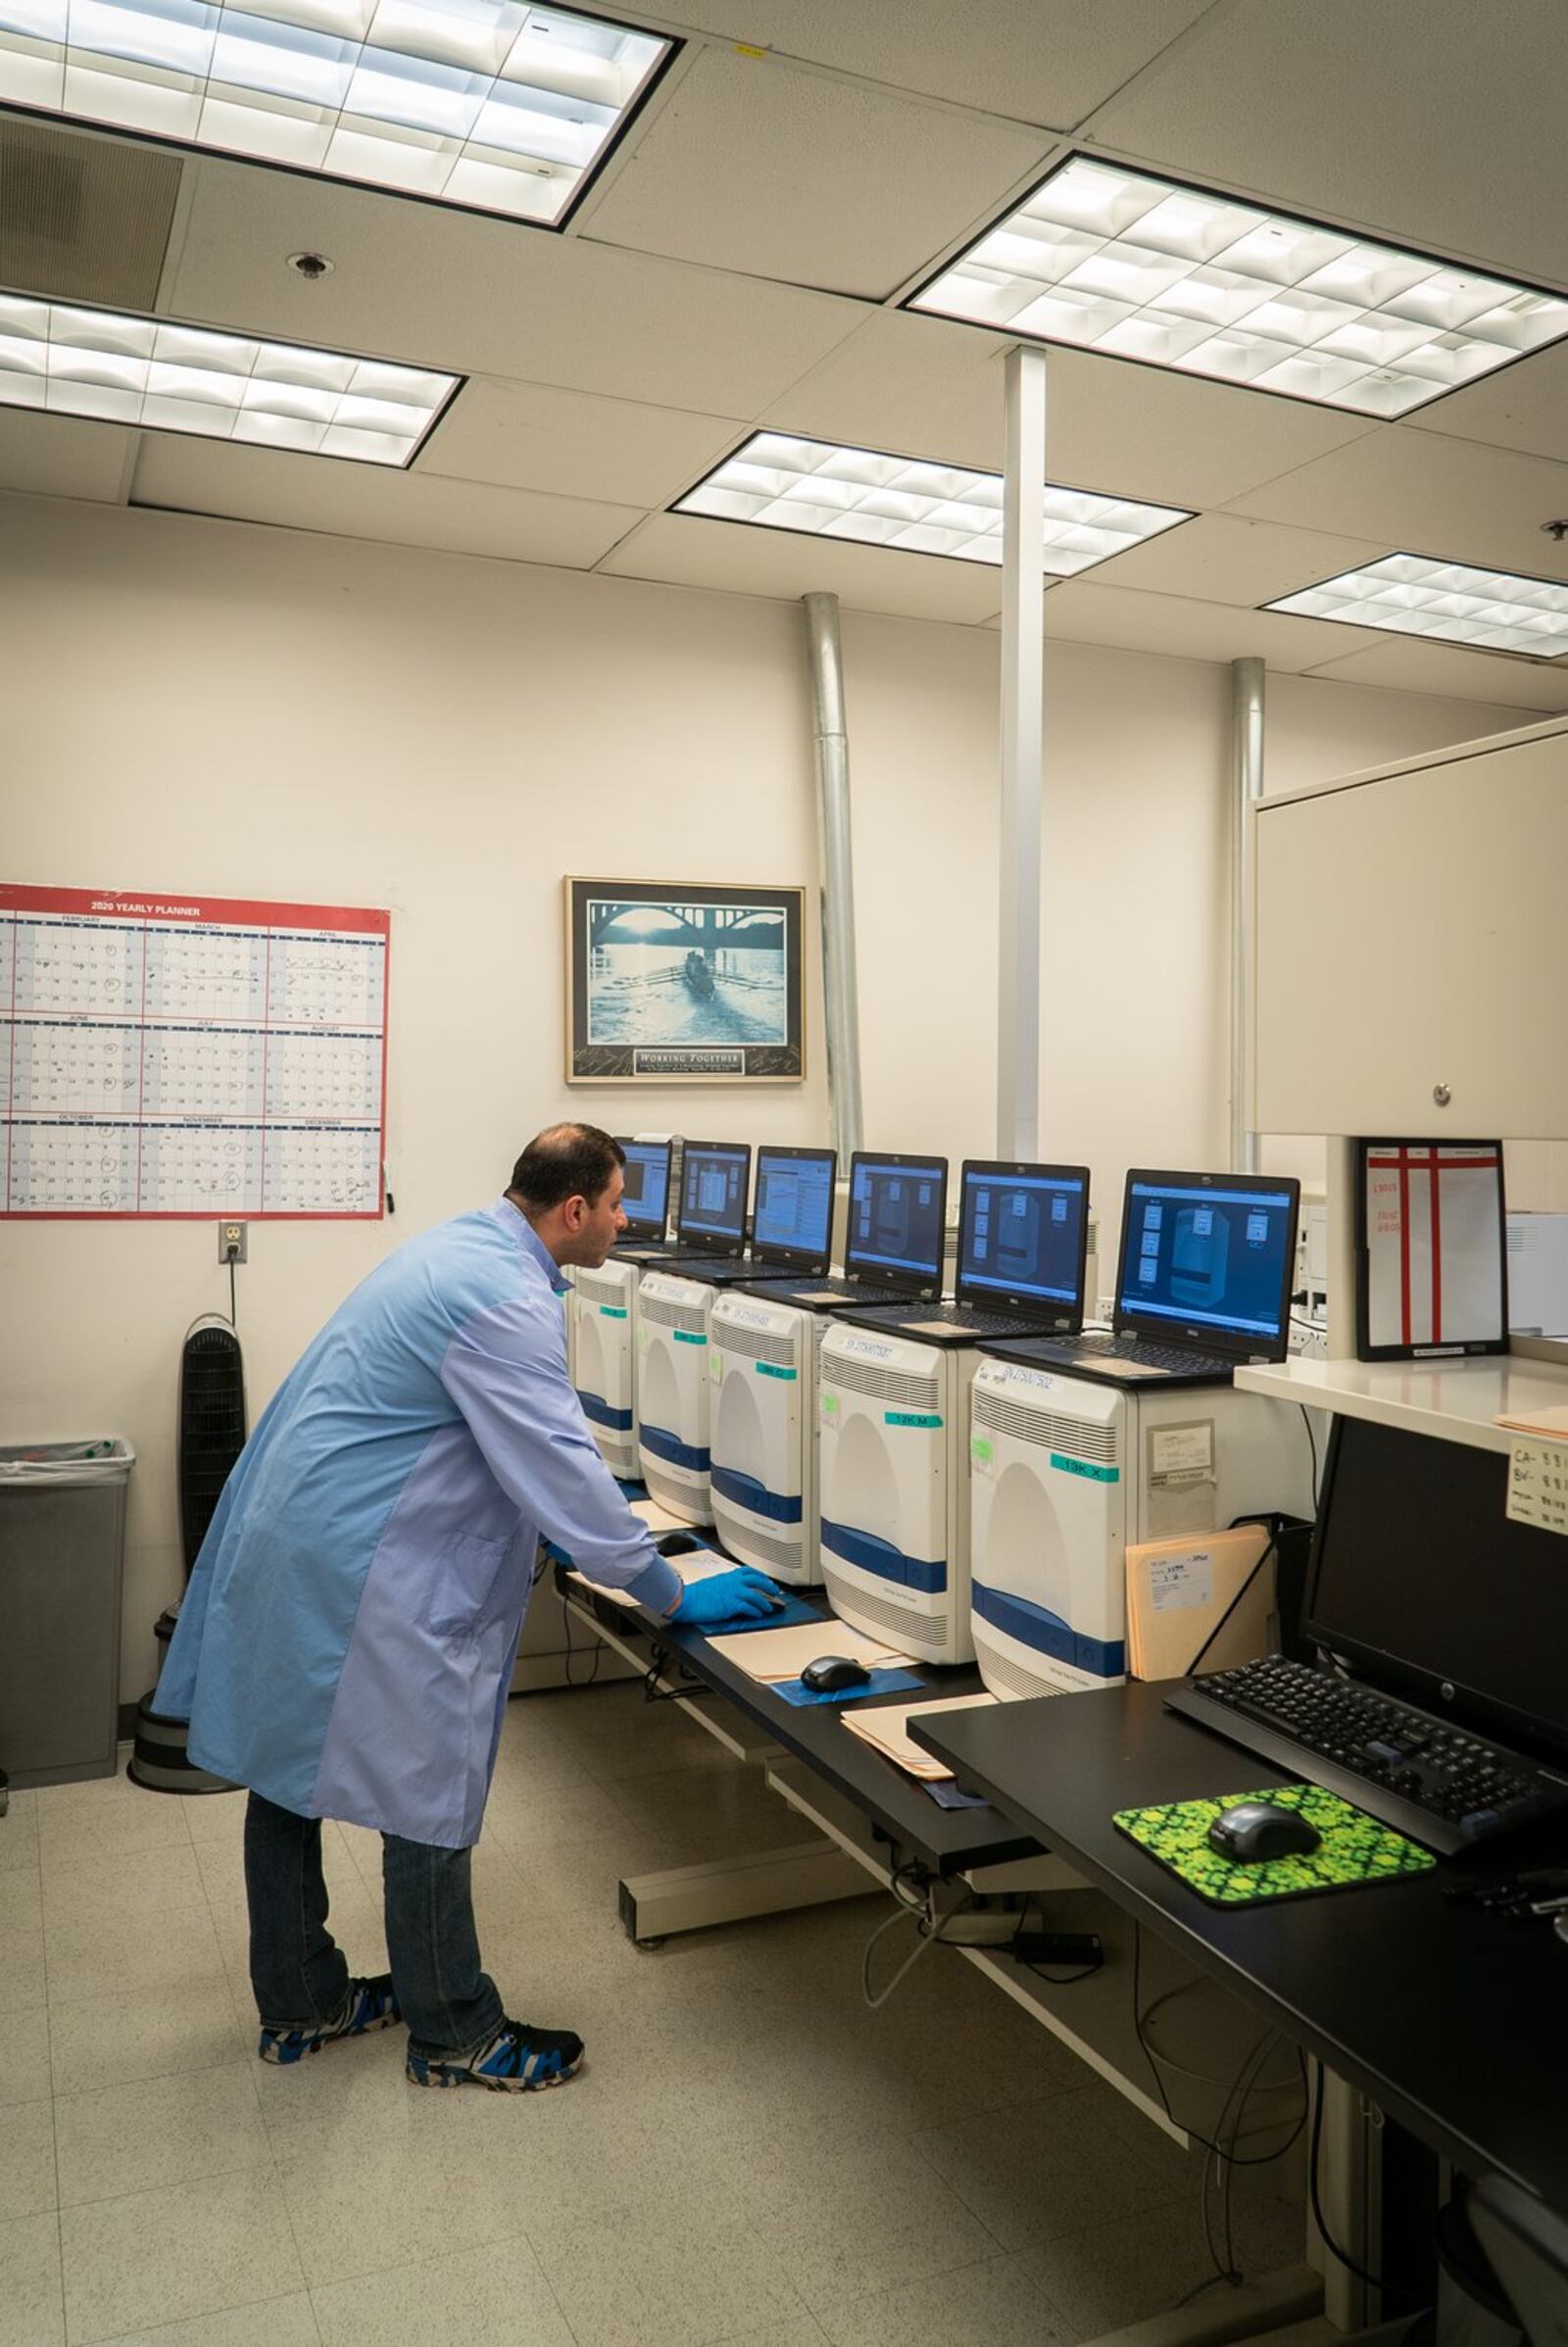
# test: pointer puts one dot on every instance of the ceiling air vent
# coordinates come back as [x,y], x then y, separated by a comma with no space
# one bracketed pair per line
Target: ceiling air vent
[83,220]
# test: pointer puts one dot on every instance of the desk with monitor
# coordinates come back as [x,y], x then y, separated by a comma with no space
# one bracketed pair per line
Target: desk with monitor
[1446,2016]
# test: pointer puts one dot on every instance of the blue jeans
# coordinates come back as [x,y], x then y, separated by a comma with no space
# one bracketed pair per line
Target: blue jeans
[299,1973]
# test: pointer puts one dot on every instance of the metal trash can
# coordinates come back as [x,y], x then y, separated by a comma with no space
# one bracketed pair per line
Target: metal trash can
[61,1553]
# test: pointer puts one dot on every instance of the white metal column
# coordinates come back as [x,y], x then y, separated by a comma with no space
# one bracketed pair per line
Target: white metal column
[1023,647]
[840,986]
[1247,788]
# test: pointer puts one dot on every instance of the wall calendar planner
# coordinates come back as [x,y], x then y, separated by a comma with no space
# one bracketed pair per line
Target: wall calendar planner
[168,1057]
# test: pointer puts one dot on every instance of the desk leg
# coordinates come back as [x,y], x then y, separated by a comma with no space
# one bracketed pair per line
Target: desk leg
[1377,2187]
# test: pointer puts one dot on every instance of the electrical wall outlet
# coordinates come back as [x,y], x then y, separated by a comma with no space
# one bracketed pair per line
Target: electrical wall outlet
[233,1242]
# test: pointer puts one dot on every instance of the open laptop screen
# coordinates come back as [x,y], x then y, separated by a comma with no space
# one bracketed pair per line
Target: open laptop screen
[1209,1256]
[645,1200]
[1022,1235]
[713,1180]
[792,1220]
[897,1211]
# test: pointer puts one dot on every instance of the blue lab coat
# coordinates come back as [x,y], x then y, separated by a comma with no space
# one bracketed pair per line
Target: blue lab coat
[347,1640]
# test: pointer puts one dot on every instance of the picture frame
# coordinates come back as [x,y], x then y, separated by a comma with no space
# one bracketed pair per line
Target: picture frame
[1432,1250]
[674,982]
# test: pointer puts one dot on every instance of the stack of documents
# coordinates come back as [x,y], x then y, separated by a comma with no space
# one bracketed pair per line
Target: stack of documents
[886,1729]
[1198,1602]
[1552,1426]
[774,1655]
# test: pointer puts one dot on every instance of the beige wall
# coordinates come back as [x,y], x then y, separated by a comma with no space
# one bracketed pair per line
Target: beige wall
[201,706]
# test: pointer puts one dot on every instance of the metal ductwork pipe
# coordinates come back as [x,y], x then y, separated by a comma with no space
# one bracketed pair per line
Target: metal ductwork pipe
[840,993]
[1247,788]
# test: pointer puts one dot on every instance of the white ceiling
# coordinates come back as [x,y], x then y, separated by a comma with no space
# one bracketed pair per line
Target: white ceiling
[800,168]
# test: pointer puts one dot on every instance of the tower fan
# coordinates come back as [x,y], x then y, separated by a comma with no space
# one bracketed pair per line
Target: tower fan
[212,1435]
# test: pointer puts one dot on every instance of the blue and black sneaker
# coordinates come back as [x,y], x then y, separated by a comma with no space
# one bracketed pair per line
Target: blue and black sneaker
[369,2005]
[516,2060]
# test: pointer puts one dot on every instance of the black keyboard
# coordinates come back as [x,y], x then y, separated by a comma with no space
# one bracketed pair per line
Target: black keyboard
[1433,1782]
[711,1267]
[853,1292]
[1149,1353]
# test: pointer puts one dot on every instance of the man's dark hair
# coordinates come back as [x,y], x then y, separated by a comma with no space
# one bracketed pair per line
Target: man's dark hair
[564,1162]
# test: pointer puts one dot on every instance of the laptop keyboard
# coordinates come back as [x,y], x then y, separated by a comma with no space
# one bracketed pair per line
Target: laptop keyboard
[1147,1353]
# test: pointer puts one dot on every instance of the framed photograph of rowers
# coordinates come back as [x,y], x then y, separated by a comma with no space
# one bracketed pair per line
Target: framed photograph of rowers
[1432,1272]
[675,984]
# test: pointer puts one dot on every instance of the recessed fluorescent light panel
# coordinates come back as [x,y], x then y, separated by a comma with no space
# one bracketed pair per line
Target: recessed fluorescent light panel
[488,104]
[1113,260]
[826,491]
[1491,610]
[154,375]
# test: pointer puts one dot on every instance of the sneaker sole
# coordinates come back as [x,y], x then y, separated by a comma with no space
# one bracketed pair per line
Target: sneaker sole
[442,2076]
[270,2053]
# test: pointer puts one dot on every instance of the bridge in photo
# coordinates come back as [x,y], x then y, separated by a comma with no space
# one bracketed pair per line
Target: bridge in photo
[705,926]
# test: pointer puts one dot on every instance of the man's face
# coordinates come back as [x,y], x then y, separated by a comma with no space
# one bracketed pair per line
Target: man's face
[595,1226]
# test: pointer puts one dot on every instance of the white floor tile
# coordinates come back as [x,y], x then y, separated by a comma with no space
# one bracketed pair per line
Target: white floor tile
[396,2203]
[23,2056]
[177,2253]
[27,2158]
[169,2130]
[863,2215]
[497,2298]
[213,1817]
[19,1832]
[665,2280]
[1106,2276]
[1048,2168]
[175,1953]
[993,2304]
[141,1885]
[109,2039]
[108,1818]
[275,2322]
[32,2308]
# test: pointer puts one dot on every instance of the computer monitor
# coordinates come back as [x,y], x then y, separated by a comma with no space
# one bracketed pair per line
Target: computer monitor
[792,1219]
[1209,1259]
[1023,1235]
[898,1211]
[1419,1578]
[645,1200]
[714,1176]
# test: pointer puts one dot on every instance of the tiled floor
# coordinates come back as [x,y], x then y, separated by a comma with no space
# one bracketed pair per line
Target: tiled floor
[749,2156]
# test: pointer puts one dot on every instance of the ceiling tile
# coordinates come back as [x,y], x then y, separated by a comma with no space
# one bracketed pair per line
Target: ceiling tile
[532,436]
[61,456]
[1440,123]
[764,168]
[1525,407]
[444,289]
[687,552]
[354,500]
[916,386]
[1081,613]
[1451,670]
[1052,61]
[1421,495]
[1217,557]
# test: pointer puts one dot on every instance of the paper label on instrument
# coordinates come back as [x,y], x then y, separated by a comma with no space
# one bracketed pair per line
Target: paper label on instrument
[1175,1582]
[1538,1485]
[1180,1454]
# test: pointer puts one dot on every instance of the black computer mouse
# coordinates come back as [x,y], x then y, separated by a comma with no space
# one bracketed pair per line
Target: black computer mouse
[1255,1831]
[678,1544]
[830,1671]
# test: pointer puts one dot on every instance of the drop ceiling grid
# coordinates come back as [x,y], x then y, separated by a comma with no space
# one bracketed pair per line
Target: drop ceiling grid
[607,379]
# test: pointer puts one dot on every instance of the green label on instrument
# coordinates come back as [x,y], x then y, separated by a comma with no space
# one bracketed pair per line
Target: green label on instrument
[612,1311]
[910,1418]
[770,1369]
[830,1406]
[1098,1475]
[687,1337]
[981,1449]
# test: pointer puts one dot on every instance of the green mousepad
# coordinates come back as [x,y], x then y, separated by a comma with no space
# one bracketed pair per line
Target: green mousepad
[1354,1848]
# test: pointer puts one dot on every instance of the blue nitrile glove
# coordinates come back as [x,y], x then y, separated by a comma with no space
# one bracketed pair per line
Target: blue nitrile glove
[744,1594]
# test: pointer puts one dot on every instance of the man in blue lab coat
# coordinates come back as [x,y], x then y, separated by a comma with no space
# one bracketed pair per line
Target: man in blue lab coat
[348,1638]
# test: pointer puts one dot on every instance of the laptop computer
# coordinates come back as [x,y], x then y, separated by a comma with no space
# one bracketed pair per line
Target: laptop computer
[893,1238]
[792,1222]
[645,1200]
[1023,1236]
[710,1205]
[1203,1284]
